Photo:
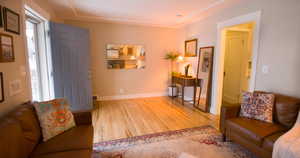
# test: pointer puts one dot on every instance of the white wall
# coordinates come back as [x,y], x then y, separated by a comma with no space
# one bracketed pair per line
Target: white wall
[279,40]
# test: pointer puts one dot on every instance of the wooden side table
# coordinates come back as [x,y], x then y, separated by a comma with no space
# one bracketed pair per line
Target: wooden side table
[185,82]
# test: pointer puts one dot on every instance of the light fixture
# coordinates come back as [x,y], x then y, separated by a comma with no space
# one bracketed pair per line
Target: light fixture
[180,58]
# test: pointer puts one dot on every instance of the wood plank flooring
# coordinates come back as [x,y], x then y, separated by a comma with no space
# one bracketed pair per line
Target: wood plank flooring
[134,117]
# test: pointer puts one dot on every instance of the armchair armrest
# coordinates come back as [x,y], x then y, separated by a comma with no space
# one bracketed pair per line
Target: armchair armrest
[228,111]
[83,117]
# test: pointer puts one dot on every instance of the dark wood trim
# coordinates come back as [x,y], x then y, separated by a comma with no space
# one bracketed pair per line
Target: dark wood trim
[5,10]
[1,16]
[2,87]
[185,43]
[13,49]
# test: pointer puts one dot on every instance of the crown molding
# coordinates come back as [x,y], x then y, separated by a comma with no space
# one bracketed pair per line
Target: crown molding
[187,20]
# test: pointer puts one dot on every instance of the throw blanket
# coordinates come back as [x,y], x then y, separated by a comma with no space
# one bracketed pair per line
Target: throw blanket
[288,145]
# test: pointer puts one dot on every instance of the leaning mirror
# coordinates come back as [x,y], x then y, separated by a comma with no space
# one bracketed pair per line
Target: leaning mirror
[125,56]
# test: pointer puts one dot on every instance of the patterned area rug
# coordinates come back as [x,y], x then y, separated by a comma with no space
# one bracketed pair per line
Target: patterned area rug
[204,142]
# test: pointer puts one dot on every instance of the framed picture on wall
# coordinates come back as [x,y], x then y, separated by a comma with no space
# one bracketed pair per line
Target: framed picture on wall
[11,21]
[191,48]
[204,75]
[6,48]
[1,88]
[1,17]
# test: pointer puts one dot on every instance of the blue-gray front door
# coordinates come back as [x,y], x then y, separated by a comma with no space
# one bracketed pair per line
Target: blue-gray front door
[70,61]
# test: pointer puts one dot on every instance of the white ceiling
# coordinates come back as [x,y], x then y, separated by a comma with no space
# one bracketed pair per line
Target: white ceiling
[147,12]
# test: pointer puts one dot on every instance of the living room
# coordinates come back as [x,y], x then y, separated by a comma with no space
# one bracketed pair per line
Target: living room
[149,79]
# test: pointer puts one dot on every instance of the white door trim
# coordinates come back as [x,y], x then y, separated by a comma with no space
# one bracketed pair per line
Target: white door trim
[217,85]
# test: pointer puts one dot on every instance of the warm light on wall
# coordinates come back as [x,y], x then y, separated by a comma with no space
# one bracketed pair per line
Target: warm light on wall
[180,59]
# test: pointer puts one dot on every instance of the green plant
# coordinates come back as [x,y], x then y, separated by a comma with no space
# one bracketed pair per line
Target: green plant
[171,56]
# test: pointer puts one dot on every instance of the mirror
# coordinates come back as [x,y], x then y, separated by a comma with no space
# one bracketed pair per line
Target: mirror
[124,56]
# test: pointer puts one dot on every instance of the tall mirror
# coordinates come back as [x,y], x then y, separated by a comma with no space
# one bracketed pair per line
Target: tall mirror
[125,56]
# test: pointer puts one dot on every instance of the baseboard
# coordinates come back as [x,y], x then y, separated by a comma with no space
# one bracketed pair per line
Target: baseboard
[132,96]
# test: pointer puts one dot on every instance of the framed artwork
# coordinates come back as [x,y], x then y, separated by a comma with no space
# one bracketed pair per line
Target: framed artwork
[11,21]
[1,17]
[6,48]
[1,88]
[191,48]
[204,76]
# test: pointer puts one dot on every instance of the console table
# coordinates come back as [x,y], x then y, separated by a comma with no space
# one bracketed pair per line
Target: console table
[185,82]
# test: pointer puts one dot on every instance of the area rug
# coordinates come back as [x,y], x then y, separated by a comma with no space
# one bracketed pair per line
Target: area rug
[199,142]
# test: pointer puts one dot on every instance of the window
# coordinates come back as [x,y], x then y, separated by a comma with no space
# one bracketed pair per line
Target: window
[39,59]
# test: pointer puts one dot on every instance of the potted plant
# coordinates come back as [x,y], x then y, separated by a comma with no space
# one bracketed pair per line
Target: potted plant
[172,57]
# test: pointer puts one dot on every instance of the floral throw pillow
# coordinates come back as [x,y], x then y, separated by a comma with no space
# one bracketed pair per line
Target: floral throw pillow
[55,117]
[258,106]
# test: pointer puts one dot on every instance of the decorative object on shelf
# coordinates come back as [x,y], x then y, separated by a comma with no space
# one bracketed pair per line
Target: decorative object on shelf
[1,17]
[6,48]
[11,21]
[186,70]
[172,57]
[1,88]
[125,56]
[191,47]
[204,74]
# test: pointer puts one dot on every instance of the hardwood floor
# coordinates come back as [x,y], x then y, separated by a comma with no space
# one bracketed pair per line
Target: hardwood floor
[134,117]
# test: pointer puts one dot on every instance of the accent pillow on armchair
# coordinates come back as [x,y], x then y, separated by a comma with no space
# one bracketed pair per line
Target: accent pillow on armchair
[258,106]
[55,117]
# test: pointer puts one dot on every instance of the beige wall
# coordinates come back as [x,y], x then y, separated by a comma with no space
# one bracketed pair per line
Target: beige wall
[12,71]
[153,79]
[279,40]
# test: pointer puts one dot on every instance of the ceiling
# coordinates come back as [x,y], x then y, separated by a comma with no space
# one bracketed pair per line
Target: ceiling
[168,13]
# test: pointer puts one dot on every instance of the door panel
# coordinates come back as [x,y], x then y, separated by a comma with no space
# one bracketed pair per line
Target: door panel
[234,68]
[70,59]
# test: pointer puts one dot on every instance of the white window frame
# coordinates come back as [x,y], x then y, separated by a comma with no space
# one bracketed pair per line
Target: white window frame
[44,50]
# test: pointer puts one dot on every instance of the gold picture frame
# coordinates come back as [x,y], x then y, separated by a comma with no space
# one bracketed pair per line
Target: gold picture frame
[190,48]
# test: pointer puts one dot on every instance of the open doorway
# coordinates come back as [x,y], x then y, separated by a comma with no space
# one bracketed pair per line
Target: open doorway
[219,62]
[238,46]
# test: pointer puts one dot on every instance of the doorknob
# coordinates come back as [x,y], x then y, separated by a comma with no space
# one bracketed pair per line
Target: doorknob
[224,73]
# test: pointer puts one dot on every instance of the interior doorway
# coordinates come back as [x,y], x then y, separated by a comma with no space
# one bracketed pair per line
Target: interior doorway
[218,71]
[238,46]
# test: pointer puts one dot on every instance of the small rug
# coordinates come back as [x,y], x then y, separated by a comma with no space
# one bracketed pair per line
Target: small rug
[204,142]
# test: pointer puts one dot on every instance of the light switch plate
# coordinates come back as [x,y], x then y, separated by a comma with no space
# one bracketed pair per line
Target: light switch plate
[15,87]
[265,69]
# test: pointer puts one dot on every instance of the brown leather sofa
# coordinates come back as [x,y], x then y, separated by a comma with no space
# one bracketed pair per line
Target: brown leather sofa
[257,136]
[20,136]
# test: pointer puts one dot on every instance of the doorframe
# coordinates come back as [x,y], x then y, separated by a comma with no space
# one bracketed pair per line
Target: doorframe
[217,85]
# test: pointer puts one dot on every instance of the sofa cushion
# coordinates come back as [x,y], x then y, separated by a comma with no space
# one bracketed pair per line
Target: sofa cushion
[253,130]
[258,106]
[67,154]
[286,110]
[80,137]
[11,139]
[270,140]
[55,117]
[26,115]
